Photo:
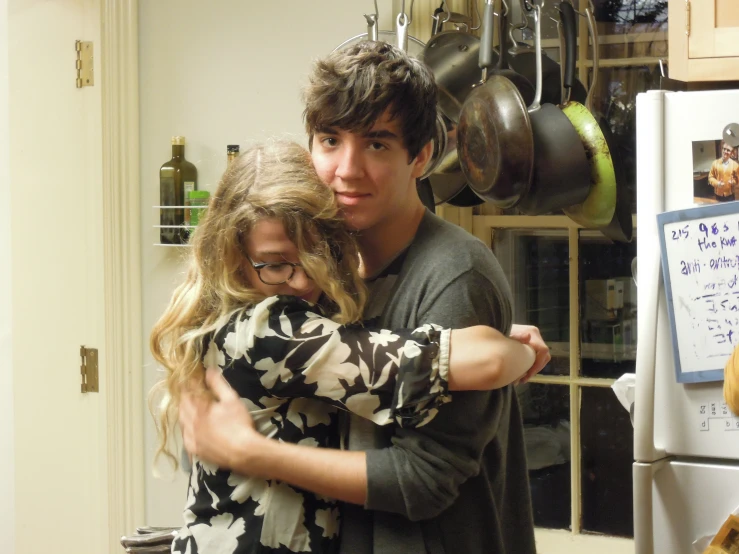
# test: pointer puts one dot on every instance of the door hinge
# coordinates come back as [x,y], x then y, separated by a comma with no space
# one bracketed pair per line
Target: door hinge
[84,64]
[89,369]
[687,17]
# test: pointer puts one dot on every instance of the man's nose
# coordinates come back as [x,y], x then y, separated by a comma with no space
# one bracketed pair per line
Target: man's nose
[351,163]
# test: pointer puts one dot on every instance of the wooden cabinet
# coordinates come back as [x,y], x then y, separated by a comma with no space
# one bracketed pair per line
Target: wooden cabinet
[704,40]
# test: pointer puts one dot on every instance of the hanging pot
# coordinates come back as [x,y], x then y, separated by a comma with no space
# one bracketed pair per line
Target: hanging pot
[621,226]
[598,208]
[452,58]
[523,85]
[450,185]
[523,60]
[495,142]
[561,168]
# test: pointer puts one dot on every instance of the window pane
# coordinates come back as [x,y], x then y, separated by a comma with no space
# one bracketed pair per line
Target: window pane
[546,415]
[607,306]
[607,454]
[537,264]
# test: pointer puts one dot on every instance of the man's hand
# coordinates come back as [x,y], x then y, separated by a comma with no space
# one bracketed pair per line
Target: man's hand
[216,428]
[528,334]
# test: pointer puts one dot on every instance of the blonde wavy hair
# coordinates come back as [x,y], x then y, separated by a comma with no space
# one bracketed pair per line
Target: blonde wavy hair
[275,180]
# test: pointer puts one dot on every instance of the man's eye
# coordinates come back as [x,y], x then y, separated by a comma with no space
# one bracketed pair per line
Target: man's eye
[377,146]
[329,141]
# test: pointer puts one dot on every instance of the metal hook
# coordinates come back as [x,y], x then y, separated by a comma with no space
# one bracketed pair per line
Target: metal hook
[479,19]
[447,14]
[407,15]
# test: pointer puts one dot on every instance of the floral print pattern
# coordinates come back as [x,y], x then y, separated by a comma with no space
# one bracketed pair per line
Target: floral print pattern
[294,369]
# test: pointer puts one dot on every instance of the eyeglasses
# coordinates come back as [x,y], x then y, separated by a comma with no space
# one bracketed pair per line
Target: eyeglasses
[274,273]
[728,150]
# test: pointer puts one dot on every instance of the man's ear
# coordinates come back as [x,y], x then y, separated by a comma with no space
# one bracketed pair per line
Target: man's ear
[422,159]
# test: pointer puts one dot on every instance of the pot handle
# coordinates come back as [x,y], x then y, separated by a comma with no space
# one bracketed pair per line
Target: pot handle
[502,46]
[567,17]
[593,29]
[486,40]
[436,23]
[402,25]
[372,31]
[536,104]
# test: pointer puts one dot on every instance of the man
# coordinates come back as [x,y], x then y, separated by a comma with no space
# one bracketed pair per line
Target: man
[724,175]
[459,484]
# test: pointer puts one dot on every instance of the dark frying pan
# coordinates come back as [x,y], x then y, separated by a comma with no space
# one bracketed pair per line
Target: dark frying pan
[621,227]
[495,142]
[561,168]
[523,60]
[598,208]
[523,85]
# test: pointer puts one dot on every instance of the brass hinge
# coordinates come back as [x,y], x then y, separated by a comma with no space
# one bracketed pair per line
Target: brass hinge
[84,64]
[89,369]
[687,17]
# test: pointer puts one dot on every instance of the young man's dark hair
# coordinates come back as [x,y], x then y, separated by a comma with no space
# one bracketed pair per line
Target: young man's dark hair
[351,89]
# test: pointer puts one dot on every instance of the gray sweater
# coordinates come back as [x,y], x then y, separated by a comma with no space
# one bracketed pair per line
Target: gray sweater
[458,484]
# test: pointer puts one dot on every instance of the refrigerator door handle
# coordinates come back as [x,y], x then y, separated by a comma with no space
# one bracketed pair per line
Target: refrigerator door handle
[643,505]
[650,173]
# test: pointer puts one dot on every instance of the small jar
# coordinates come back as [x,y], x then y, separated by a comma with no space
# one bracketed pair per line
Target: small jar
[197,202]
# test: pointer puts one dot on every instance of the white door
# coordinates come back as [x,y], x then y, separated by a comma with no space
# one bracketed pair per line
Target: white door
[57,279]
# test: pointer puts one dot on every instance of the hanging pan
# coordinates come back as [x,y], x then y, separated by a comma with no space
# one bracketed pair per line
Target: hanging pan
[523,85]
[523,60]
[452,57]
[621,226]
[495,142]
[598,208]
[561,169]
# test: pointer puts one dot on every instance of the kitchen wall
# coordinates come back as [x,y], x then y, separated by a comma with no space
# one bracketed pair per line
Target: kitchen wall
[7,450]
[217,73]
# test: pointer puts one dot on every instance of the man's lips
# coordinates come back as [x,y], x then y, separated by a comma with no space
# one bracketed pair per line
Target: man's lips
[350,198]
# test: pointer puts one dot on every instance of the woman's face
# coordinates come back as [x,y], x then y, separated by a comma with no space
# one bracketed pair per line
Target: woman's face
[268,243]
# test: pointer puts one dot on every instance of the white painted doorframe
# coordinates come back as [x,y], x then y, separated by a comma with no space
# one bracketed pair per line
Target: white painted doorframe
[122,229]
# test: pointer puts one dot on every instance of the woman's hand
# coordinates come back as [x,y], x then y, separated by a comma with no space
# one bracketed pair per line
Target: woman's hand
[528,334]
[217,427]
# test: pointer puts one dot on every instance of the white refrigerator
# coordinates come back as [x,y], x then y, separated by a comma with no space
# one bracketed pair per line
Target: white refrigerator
[686,443]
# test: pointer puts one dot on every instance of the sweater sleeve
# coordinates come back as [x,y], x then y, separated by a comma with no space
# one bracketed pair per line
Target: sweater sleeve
[398,377]
[420,474]
[713,175]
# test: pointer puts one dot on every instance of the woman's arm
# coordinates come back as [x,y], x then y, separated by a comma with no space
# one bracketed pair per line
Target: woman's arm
[482,358]
[385,376]
[398,377]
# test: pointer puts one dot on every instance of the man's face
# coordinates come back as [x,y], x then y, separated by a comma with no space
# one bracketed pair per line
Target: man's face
[726,152]
[369,172]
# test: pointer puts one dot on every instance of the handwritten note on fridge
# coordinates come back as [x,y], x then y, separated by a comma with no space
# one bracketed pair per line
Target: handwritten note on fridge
[700,264]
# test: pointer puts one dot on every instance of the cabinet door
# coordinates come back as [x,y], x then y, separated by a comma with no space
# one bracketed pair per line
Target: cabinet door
[714,29]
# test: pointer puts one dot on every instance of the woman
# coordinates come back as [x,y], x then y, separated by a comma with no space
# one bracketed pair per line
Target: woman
[273,298]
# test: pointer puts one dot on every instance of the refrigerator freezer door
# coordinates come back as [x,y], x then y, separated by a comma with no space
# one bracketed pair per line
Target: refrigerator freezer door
[685,420]
[687,501]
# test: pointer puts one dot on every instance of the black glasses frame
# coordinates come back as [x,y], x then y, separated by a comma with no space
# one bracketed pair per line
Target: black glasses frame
[258,266]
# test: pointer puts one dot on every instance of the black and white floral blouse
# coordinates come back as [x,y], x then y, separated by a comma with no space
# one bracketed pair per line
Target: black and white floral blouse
[293,369]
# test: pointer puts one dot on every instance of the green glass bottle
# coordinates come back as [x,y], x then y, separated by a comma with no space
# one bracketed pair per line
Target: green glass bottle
[177,177]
